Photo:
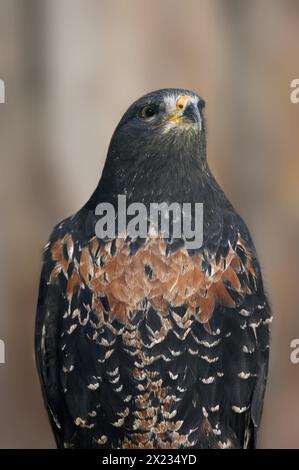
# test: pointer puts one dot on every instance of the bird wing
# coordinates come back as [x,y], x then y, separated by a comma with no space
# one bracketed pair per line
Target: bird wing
[243,323]
[147,343]
[47,360]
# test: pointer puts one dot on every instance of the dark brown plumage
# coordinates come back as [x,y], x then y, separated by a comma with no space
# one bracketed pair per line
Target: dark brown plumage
[143,342]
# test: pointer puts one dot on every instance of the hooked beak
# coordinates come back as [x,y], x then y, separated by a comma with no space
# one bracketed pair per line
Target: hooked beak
[186,111]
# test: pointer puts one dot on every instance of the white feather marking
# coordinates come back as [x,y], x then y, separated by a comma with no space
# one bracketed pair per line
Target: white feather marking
[244,312]
[194,352]
[93,386]
[175,353]
[238,409]
[102,440]
[209,380]
[214,408]
[173,376]
[244,375]
[118,423]
[72,328]
[210,360]
[113,372]
[268,320]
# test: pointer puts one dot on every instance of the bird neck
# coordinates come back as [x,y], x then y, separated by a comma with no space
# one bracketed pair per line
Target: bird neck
[176,171]
[169,184]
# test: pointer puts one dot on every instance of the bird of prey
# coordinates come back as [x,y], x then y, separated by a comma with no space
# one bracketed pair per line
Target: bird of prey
[144,342]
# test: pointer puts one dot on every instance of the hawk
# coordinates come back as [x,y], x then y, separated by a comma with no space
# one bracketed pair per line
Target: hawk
[144,342]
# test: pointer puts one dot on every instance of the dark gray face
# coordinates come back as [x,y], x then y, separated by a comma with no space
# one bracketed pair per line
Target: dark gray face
[158,146]
[167,111]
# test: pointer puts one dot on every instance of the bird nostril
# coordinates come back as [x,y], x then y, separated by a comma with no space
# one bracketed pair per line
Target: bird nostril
[181,102]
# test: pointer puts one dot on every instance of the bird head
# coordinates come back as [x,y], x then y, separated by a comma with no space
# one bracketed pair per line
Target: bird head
[163,111]
[160,135]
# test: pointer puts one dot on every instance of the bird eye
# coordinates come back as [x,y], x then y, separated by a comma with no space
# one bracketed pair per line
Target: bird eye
[147,112]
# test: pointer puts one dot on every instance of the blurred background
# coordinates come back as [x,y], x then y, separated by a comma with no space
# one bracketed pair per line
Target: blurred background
[71,68]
